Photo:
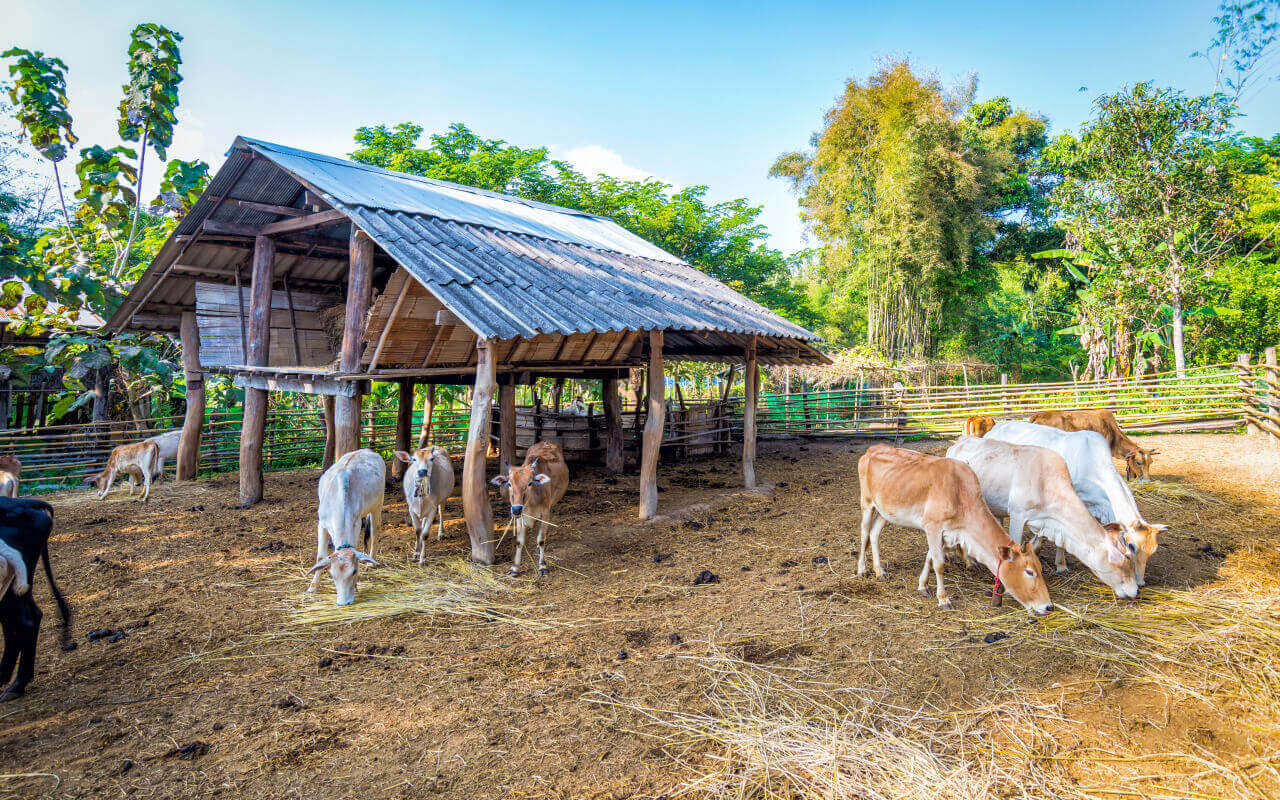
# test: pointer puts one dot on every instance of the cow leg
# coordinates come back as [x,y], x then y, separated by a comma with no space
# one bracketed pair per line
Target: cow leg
[439,522]
[26,630]
[876,527]
[111,478]
[864,536]
[10,620]
[923,584]
[427,519]
[375,528]
[322,539]
[939,560]
[415,523]
[146,487]
[515,561]
[1060,560]
[542,561]
[1017,526]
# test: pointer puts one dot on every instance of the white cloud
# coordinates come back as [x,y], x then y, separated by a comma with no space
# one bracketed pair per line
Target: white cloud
[592,160]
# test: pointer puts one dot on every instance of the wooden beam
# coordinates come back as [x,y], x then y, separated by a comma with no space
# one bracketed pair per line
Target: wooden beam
[300,384]
[268,208]
[752,379]
[193,421]
[614,457]
[253,425]
[431,348]
[330,441]
[293,320]
[507,423]
[229,228]
[475,489]
[404,421]
[386,328]
[653,425]
[359,293]
[309,222]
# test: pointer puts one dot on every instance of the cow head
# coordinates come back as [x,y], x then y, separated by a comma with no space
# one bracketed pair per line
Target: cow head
[1142,539]
[525,486]
[419,464]
[980,426]
[1117,568]
[344,567]
[1137,464]
[1019,571]
[98,480]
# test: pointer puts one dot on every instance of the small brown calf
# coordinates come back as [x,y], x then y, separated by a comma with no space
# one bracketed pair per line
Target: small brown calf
[10,471]
[139,460]
[533,489]
[978,426]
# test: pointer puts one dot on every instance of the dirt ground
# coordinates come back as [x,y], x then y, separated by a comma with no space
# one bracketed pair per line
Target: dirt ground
[199,698]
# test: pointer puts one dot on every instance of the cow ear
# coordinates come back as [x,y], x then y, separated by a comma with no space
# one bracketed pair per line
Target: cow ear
[1006,553]
[499,480]
[365,558]
[1158,528]
[403,456]
[541,478]
[319,565]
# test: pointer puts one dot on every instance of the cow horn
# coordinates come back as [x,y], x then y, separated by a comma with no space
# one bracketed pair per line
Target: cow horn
[366,558]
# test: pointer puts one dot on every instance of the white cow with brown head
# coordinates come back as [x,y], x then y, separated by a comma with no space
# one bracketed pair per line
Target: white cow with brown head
[941,497]
[533,489]
[351,493]
[428,480]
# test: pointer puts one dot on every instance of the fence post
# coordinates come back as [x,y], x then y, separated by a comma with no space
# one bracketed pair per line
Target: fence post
[1247,406]
[1004,392]
[1272,376]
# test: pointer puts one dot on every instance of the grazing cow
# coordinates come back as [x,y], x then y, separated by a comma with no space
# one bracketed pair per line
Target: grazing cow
[1032,487]
[10,471]
[533,489]
[941,497]
[1094,476]
[351,493]
[1137,460]
[978,426]
[25,526]
[139,460]
[578,407]
[168,444]
[428,480]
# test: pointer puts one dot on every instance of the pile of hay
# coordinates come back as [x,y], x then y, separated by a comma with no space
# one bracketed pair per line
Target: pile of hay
[454,587]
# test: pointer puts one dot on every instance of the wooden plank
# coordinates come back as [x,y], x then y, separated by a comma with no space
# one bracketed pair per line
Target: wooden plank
[653,424]
[309,222]
[475,488]
[359,294]
[193,421]
[301,385]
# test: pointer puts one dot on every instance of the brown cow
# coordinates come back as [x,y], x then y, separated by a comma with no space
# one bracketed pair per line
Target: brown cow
[941,497]
[1137,460]
[533,489]
[139,460]
[10,472]
[978,426]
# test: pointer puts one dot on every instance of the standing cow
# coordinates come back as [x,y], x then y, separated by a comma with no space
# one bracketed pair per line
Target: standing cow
[1032,487]
[428,480]
[941,497]
[350,493]
[25,526]
[533,489]
[1137,460]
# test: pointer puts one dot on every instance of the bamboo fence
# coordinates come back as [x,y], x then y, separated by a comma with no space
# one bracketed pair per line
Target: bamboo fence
[1218,396]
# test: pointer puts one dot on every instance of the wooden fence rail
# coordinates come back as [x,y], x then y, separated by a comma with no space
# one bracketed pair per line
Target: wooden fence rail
[1224,395]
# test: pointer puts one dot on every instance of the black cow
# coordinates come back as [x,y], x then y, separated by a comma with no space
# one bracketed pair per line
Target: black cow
[25,526]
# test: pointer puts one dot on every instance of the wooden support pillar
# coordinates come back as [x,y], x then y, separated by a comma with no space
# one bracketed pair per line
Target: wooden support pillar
[614,457]
[193,423]
[1244,362]
[326,402]
[346,417]
[428,411]
[404,426]
[5,393]
[475,489]
[1272,377]
[653,423]
[557,395]
[751,391]
[253,426]
[507,422]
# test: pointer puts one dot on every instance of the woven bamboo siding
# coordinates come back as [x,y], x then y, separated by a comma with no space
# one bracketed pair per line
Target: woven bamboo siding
[219,314]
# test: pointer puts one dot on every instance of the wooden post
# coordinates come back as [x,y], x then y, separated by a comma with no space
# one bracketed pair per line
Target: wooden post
[330,442]
[193,423]
[557,394]
[1272,378]
[475,489]
[1004,392]
[359,289]
[614,458]
[253,426]
[1245,363]
[653,423]
[6,391]
[751,378]
[428,411]
[507,422]
[404,422]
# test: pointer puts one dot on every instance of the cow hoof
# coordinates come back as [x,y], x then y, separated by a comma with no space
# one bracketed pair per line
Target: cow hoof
[542,572]
[862,573]
[923,592]
[883,576]
[513,572]
[1062,570]
[945,606]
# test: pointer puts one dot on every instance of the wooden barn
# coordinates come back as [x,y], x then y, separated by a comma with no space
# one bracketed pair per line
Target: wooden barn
[301,272]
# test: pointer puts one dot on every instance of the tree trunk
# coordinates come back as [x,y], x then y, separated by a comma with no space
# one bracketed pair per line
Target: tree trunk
[193,422]
[253,425]
[1179,357]
[359,292]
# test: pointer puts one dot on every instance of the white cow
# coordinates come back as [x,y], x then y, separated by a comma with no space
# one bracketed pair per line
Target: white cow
[1032,487]
[168,444]
[428,480]
[1096,481]
[351,493]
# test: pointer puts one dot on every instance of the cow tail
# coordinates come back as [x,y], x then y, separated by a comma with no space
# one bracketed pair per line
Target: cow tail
[64,609]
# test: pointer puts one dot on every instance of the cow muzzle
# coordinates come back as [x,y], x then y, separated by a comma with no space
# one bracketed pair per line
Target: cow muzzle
[516,511]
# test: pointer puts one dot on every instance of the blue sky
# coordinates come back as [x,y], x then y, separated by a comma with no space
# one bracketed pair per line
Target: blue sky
[705,93]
